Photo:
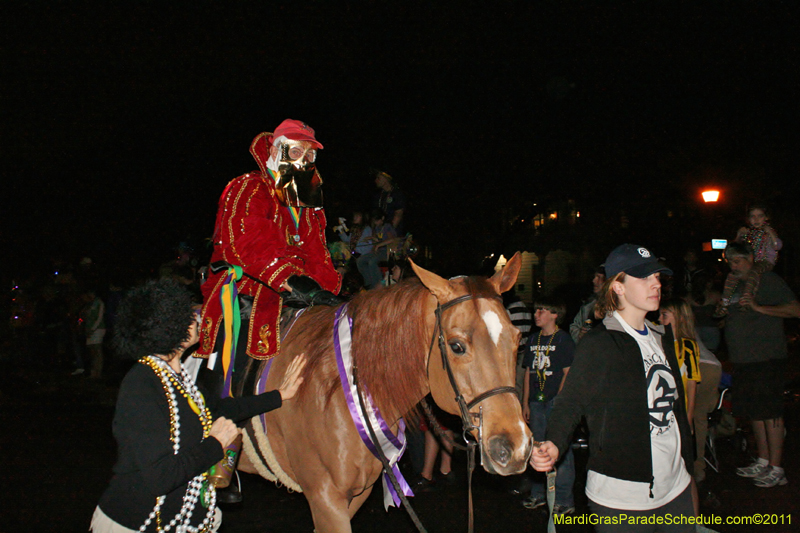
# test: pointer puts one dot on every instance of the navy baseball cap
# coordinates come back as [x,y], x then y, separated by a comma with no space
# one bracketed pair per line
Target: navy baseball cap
[634,260]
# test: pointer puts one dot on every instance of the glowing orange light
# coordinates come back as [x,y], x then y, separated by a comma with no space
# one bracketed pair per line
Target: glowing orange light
[710,196]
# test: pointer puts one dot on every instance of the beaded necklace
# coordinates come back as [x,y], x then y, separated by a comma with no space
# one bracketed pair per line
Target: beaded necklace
[758,239]
[198,488]
[541,369]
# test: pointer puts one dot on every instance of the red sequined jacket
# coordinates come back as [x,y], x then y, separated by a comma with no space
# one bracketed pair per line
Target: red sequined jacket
[253,230]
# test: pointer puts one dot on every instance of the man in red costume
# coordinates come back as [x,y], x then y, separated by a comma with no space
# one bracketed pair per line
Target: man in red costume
[271,223]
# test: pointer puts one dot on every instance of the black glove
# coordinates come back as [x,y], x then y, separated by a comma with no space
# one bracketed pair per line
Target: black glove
[307,292]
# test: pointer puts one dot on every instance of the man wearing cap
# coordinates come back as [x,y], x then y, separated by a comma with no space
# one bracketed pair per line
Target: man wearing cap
[757,347]
[625,379]
[391,200]
[586,319]
[271,223]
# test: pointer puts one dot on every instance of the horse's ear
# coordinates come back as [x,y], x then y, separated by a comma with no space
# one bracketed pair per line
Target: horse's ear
[507,277]
[439,286]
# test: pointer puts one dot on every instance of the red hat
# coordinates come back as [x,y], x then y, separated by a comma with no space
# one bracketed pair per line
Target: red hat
[296,131]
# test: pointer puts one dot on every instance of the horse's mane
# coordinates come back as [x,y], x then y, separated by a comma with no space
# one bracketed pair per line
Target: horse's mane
[390,342]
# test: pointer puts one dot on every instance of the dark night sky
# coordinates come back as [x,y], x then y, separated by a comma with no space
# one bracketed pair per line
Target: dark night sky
[122,123]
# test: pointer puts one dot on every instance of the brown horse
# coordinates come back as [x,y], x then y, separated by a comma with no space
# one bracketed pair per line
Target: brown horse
[311,443]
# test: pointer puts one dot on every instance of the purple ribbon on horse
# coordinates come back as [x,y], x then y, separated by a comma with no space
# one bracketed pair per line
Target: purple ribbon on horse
[392,445]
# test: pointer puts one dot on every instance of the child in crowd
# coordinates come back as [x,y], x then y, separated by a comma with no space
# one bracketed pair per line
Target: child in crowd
[371,240]
[353,236]
[546,362]
[678,314]
[691,355]
[765,243]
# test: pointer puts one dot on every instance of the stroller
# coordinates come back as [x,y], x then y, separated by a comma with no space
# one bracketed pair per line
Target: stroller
[722,424]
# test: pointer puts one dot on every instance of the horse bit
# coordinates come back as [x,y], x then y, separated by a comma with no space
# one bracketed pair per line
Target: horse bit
[466,415]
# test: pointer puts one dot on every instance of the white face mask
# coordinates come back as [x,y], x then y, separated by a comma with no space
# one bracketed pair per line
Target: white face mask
[299,153]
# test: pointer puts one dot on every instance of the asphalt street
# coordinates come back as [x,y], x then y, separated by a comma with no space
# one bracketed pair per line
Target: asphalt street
[58,454]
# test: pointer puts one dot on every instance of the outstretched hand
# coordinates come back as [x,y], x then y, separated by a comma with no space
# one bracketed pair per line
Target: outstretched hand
[544,456]
[292,379]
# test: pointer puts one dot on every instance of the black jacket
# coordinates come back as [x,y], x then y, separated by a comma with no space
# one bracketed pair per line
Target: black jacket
[607,384]
[146,465]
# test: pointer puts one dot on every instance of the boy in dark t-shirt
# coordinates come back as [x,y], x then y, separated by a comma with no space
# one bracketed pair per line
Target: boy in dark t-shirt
[546,361]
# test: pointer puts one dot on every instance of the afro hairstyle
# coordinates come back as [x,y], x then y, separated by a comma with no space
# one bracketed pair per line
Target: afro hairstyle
[153,318]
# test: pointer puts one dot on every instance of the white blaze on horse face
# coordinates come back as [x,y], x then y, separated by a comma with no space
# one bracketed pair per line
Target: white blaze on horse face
[493,324]
[523,427]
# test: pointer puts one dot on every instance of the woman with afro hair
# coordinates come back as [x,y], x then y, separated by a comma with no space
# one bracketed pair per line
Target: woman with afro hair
[168,432]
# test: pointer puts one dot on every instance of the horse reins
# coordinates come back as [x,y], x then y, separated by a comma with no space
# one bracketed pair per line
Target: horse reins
[384,461]
[464,408]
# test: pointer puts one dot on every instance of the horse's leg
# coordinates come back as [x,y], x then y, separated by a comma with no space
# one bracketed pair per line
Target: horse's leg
[330,510]
[358,501]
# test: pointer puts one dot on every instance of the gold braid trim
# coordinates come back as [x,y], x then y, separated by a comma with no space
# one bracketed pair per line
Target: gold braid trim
[210,330]
[263,334]
[230,222]
[247,205]
[278,334]
[278,271]
[280,477]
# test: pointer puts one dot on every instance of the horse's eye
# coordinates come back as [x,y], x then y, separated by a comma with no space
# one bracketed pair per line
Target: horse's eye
[458,348]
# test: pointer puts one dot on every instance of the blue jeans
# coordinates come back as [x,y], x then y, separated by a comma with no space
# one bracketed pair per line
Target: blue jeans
[565,468]
[368,267]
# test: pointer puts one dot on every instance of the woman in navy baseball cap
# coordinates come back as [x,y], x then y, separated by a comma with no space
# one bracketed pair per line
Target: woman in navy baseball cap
[625,379]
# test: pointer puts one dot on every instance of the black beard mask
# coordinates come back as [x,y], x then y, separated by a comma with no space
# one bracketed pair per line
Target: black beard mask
[299,184]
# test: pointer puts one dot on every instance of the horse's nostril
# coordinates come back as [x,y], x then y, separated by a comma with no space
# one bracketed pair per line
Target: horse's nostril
[500,449]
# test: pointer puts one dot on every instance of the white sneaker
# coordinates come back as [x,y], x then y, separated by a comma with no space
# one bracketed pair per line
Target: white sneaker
[773,476]
[757,468]
[78,372]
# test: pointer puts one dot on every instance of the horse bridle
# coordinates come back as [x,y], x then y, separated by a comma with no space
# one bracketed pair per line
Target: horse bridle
[467,416]
[464,407]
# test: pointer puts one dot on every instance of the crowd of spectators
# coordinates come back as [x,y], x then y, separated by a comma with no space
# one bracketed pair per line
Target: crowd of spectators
[61,317]
[63,320]
[373,242]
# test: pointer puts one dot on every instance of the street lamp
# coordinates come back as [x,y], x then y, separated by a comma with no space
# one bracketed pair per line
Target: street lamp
[710,196]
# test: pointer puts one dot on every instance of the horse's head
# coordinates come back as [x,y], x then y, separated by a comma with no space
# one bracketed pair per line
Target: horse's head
[480,344]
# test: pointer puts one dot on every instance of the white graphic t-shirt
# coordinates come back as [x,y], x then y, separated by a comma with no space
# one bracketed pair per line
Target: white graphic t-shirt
[670,476]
